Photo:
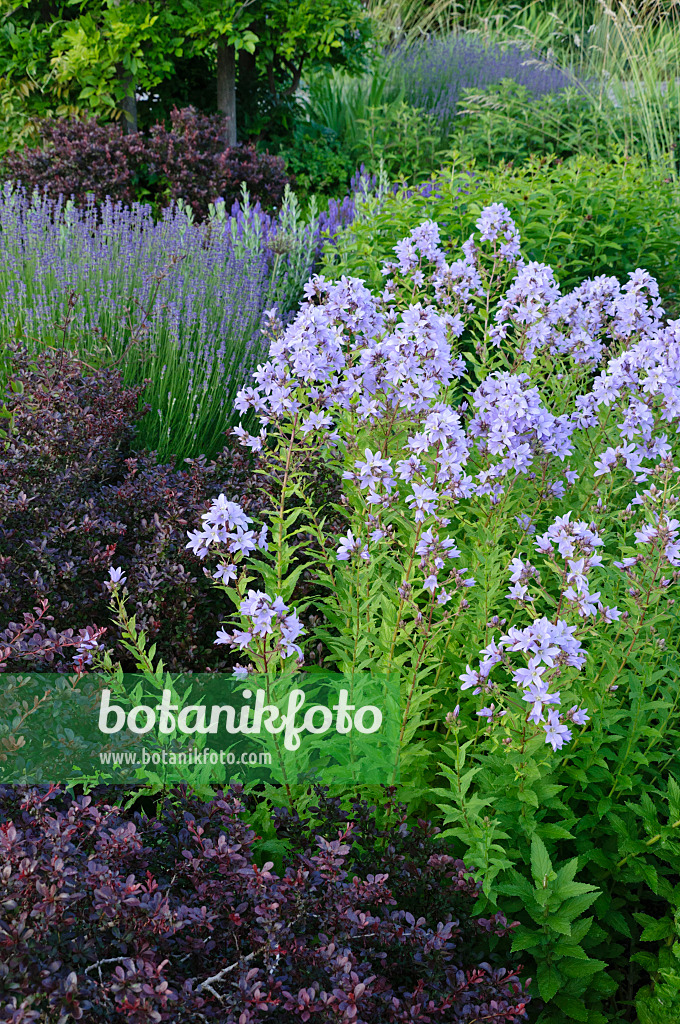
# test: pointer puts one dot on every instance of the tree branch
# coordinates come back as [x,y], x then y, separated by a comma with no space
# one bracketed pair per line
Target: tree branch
[110,960]
[296,71]
[208,983]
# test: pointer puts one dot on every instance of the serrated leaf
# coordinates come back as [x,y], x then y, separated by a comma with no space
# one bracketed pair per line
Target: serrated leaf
[582,968]
[541,866]
[551,831]
[577,905]
[573,1008]
[654,931]
[549,980]
[557,923]
[571,949]
[526,940]
[646,960]
[615,919]
[570,889]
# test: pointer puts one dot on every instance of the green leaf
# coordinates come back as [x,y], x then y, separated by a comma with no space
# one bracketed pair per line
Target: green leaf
[571,949]
[527,796]
[655,930]
[541,866]
[526,940]
[556,923]
[615,919]
[649,961]
[549,980]
[582,968]
[548,831]
[580,929]
[573,1008]
[578,905]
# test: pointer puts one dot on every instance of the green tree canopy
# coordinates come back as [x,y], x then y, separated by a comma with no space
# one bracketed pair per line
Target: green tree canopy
[94,56]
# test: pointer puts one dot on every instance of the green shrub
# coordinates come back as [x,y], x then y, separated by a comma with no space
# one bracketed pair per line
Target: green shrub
[583,217]
[660,1003]
[505,123]
[318,161]
[405,141]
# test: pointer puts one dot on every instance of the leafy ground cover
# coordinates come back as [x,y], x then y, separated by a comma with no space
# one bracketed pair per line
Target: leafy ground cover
[75,496]
[114,899]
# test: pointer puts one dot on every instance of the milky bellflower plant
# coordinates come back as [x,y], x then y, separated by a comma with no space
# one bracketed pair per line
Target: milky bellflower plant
[507,459]
[269,628]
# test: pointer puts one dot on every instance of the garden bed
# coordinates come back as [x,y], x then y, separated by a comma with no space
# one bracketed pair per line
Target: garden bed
[339,533]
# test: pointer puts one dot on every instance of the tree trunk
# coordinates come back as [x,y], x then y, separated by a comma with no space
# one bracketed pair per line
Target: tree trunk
[128,104]
[226,88]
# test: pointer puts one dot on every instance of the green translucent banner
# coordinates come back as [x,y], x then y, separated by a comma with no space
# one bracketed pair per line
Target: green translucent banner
[310,726]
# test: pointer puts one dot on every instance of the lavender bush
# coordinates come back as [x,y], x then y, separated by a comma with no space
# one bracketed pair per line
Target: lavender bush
[434,72]
[512,554]
[173,302]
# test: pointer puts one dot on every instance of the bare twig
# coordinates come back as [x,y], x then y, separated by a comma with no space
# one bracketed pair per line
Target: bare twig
[208,983]
[110,960]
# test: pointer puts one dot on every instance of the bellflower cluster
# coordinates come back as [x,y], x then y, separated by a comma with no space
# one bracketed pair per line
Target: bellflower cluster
[576,543]
[433,552]
[521,573]
[512,422]
[352,546]
[663,535]
[372,474]
[89,643]
[550,647]
[526,302]
[435,467]
[225,523]
[581,324]
[459,281]
[226,529]
[643,385]
[342,353]
[495,223]
[570,538]
[264,615]
[422,243]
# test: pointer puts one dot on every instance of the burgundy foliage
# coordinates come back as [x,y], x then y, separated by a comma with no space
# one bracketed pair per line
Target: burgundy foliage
[191,158]
[35,642]
[75,499]
[187,161]
[79,157]
[110,915]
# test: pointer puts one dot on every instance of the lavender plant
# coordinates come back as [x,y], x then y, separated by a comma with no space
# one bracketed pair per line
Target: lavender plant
[434,72]
[173,302]
[584,217]
[509,458]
